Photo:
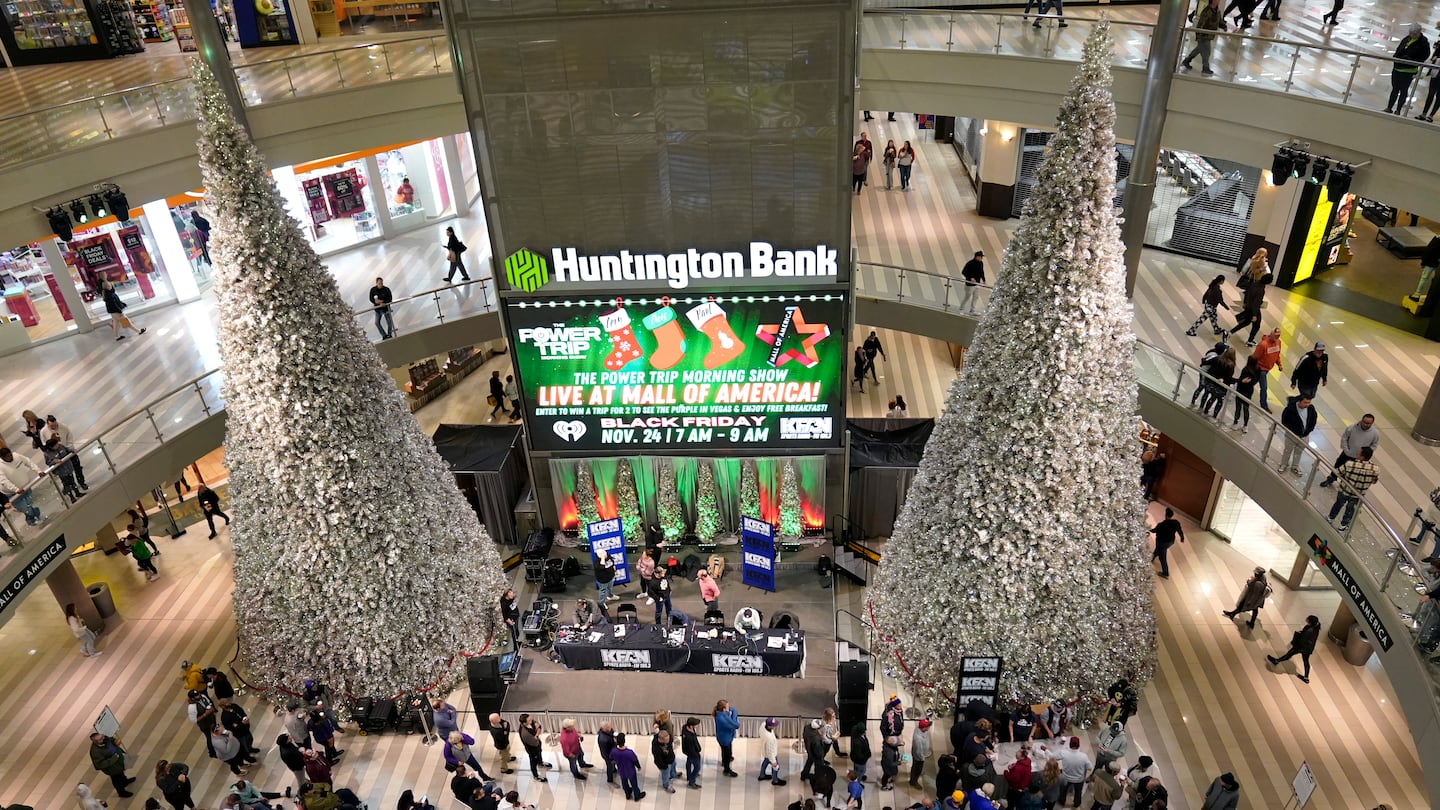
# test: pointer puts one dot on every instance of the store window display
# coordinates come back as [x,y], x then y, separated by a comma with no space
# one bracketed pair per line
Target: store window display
[34,308]
[339,210]
[193,228]
[123,254]
[416,184]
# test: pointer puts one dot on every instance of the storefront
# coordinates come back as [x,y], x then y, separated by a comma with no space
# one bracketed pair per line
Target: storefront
[334,200]
[1238,520]
[416,183]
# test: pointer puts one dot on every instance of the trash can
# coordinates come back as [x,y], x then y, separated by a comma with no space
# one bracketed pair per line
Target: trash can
[104,602]
[1358,648]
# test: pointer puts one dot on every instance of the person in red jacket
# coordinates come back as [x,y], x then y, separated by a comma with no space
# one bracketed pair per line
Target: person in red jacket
[570,746]
[1267,356]
[1019,773]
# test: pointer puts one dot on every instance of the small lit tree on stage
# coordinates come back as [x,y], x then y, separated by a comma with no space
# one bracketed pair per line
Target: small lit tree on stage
[1022,534]
[357,561]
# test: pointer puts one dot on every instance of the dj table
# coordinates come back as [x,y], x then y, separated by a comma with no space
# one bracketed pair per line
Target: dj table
[650,648]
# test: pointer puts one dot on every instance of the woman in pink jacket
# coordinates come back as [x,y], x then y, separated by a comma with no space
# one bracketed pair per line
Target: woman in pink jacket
[709,590]
[570,740]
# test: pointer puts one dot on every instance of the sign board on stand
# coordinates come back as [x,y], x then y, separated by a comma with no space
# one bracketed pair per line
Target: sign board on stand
[107,723]
[979,680]
[757,544]
[1303,785]
[609,536]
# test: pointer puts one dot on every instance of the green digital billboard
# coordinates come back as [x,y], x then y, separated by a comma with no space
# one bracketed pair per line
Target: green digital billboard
[694,373]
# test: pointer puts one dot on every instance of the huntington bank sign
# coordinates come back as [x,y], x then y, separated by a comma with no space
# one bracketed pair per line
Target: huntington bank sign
[763,263]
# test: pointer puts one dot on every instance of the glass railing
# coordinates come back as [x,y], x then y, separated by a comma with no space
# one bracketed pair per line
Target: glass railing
[37,134]
[1317,72]
[123,444]
[1371,537]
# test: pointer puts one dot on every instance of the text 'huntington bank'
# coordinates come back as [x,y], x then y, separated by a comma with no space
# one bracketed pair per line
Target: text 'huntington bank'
[677,269]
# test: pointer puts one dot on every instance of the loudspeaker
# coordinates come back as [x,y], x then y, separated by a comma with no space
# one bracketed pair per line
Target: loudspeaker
[484,675]
[854,677]
[851,713]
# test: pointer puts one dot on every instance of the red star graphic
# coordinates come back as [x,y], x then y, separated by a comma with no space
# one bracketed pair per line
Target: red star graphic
[814,333]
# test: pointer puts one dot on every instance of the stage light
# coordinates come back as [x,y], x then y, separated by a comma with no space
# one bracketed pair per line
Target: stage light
[78,212]
[60,224]
[1281,166]
[1299,163]
[1339,183]
[98,206]
[119,204]
[1319,169]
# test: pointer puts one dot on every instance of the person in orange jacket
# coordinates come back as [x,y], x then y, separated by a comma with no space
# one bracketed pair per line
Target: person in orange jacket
[1267,356]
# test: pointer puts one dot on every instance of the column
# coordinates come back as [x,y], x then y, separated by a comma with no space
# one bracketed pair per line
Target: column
[1427,423]
[455,176]
[213,52]
[1140,188]
[999,162]
[68,588]
[382,200]
[51,249]
[1270,219]
[172,253]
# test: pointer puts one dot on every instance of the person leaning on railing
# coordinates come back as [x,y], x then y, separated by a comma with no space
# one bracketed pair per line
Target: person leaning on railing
[17,475]
[1414,48]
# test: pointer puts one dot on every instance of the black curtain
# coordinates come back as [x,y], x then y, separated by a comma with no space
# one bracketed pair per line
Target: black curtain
[490,471]
[884,457]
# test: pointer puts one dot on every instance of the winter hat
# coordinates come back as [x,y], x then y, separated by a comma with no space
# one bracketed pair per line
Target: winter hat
[1228,780]
[958,797]
[1117,727]
[1074,742]
[892,702]
[691,722]
[924,724]
[988,789]
[771,722]
[1319,345]
[815,723]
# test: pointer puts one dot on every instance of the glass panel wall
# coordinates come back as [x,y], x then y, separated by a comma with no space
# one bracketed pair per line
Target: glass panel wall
[1254,534]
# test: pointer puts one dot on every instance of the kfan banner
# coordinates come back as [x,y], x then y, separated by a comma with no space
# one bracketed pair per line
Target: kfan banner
[608,536]
[757,544]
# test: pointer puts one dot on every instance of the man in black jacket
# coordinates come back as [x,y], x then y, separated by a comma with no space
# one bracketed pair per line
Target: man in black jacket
[606,742]
[510,613]
[815,748]
[465,786]
[1302,643]
[210,505]
[380,299]
[1312,372]
[500,736]
[872,347]
[1413,48]
[974,275]
[1298,419]
[690,747]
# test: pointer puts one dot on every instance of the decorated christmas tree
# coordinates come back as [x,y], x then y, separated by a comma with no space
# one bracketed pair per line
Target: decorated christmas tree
[1022,534]
[351,539]
[672,518]
[707,520]
[789,501]
[628,504]
[585,496]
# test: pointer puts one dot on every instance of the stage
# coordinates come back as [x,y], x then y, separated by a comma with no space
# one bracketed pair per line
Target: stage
[549,687]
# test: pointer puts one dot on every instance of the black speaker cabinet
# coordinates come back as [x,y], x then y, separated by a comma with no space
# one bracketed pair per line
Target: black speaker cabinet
[851,713]
[484,675]
[854,677]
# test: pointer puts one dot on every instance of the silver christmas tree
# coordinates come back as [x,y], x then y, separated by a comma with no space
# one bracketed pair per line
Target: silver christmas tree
[357,560]
[1022,534]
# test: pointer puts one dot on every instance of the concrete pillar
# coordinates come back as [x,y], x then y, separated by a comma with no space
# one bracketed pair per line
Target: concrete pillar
[213,51]
[1140,187]
[68,588]
[999,165]
[1339,630]
[382,200]
[455,176]
[51,249]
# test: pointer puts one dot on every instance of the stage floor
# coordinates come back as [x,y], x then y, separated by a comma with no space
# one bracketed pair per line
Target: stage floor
[549,686]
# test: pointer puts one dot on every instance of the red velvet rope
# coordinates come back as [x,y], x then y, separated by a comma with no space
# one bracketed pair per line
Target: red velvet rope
[282,690]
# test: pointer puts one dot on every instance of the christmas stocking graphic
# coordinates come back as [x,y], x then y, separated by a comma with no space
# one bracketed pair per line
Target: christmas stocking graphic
[669,338]
[623,347]
[724,345]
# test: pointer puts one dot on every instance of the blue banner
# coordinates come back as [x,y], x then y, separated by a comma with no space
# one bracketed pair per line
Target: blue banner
[608,536]
[757,544]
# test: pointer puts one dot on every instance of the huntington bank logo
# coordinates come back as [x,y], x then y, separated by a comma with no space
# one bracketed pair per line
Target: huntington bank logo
[526,271]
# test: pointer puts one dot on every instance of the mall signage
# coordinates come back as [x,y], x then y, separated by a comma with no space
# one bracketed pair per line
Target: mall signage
[1366,611]
[52,551]
[692,373]
[761,263]
[979,680]
[608,536]
[757,545]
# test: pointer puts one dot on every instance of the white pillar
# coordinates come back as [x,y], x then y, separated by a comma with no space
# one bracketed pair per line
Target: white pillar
[172,253]
[455,176]
[379,196]
[51,248]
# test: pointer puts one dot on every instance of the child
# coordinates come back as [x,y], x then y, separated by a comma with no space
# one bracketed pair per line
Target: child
[854,791]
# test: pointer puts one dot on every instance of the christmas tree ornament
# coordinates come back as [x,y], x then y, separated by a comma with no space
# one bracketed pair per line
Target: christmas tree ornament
[669,338]
[624,348]
[724,345]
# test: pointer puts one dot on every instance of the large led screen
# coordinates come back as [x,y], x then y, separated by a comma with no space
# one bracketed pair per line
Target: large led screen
[692,373]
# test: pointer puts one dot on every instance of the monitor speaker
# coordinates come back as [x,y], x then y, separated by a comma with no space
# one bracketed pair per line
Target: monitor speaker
[854,680]
[851,713]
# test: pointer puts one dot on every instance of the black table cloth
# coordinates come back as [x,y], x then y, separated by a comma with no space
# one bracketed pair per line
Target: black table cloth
[649,648]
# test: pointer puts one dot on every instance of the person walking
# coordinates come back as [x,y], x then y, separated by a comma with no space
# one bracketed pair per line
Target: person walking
[116,308]
[1356,476]
[512,397]
[1219,367]
[888,160]
[1332,17]
[1267,357]
[454,254]
[727,722]
[889,761]
[812,740]
[1166,532]
[1271,10]
[1223,794]
[974,274]
[571,746]
[81,631]
[210,504]
[662,752]
[16,473]
[1254,280]
[857,169]
[143,555]
[690,747]
[770,750]
[1245,382]
[1074,768]
[604,576]
[1246,16]
[1213,297]
[1207,21]
[1359,435]
[458,751]
[497,395]
[293,759]
[872,347]
[710,595]
[1302,643]
[1298,419]
[859,750]
[172,779]
[861,366]
[659,591]
[919,751]
[1432,100]
[109,758]
[905,160]
[830,732]
[1413,48]
[1312,372]
[380,299]
[530,740]
[627,765]
[1252,597]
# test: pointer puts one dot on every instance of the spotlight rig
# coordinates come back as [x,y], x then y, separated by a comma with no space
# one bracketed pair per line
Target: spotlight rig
[1292,159]
[106,200]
